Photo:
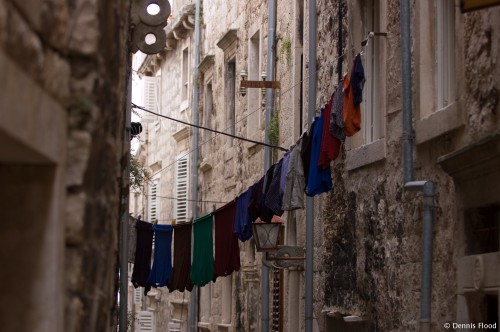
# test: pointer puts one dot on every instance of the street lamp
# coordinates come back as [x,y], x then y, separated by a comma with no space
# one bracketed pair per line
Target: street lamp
[266,236]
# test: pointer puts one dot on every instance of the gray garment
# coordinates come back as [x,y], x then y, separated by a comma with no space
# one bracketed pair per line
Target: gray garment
[337,117]
[293,197]
[132,239]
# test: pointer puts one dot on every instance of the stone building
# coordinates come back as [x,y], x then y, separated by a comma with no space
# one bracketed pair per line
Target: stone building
[369,228]
[64,68]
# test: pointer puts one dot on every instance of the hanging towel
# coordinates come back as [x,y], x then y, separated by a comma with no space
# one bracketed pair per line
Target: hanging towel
[243,222]
[162,262]
[144,248]
[132,239]
[179,279]
[330,145]
[202,270]
[227,250]
[293,196]
[320,179]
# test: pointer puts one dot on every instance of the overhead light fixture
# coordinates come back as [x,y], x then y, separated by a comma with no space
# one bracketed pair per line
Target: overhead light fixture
[244,75]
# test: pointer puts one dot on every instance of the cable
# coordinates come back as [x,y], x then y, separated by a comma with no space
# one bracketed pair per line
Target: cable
[209,129]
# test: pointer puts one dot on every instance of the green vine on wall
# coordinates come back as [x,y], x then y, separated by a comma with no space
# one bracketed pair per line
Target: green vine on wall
[286,50]
[273,131]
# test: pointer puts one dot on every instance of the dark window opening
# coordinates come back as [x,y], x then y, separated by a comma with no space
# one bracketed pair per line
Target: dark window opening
[482,229]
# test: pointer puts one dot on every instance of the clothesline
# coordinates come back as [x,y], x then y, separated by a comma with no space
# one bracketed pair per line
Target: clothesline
[209,129]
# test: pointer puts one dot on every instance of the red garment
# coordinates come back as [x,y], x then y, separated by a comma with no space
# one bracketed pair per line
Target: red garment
[227,250]
[329,150]
[352,113]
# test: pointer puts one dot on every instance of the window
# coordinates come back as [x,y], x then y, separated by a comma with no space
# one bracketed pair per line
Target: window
[185,75]
[445,53]
[208,105]
[230,98]
[145,320]
[152,206]
[373,115]
[181,189]
[254,95]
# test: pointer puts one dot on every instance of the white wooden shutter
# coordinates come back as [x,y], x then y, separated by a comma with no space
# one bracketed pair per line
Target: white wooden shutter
[153,203]
[181,189]
[151,95]
[138,295]
[174,327]
[145,321]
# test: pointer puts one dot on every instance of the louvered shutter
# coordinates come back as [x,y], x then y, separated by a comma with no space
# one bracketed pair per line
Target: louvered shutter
[145,321]
[138,295]
[174,327]
[151,95]
[181,189]
[153,203]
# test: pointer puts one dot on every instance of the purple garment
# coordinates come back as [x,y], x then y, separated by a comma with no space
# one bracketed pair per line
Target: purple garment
[284,170]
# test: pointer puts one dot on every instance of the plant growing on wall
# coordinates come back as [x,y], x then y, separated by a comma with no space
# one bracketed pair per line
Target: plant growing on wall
[273,131]
[286,50]
[139,175]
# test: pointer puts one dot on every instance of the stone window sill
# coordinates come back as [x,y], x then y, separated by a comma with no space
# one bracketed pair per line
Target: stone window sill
[366,155]
[439,123]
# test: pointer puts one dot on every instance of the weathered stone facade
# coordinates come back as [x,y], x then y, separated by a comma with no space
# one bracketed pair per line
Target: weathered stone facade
[65,67]
[368,229]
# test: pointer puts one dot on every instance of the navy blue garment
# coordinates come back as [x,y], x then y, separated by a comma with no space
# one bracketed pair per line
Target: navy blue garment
[265,213]
[274,199]
[358,80]
[162,262]
[319,179]
[243,222]
[142,262]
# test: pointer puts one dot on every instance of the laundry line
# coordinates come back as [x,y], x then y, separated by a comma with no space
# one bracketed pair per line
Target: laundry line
[210,129]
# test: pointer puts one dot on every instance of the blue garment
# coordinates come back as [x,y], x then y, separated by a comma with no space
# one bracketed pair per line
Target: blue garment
[358,80]
[319,179]
[162,262]
[284,170]
[243,222]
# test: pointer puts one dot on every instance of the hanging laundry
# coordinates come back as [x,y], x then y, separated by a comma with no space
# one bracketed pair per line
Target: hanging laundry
[202,269]
[337,127]
[132,239]
[227,250]
[162,258]
[284,169]
[179,279]
[306,151]
[358,80]
[273,199]
[319,179]
[330,146]
[243,222]
[255,203]
[293,195]
[353,86]
[144,248]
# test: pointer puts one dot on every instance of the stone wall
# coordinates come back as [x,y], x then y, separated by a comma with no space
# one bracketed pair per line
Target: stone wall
[77,53]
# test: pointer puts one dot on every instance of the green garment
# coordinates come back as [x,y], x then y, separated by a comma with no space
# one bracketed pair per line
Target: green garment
[202,268]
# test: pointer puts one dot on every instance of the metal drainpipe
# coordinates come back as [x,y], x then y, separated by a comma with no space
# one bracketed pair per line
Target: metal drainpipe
[124,218]
[193,298]
[271,54]
[428,187]
[309,200]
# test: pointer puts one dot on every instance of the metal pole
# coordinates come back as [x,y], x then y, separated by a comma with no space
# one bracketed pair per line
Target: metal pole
[407,109]
[122,319]
[271,54]
[309,200]
[193,298]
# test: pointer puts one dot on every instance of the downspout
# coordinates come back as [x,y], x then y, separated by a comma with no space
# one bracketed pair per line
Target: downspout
[122,318]
[309,275]
[426,186]
[271,54]
[193,298]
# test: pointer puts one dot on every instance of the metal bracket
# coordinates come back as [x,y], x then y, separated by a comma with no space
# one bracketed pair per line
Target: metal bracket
[286,257]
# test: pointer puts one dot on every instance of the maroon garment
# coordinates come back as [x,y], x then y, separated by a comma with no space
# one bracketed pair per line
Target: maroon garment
[179,279]
[227,251]
[330,146]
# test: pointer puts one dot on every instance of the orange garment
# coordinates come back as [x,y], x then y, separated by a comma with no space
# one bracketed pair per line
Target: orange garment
[352,114]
